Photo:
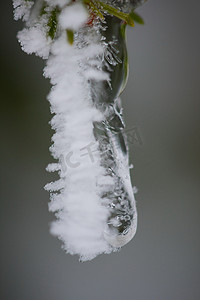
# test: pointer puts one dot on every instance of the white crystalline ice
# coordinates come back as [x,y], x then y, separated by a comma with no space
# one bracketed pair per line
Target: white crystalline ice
[35,40]
[60,3]
[81,217]
[22,9]
[73,17]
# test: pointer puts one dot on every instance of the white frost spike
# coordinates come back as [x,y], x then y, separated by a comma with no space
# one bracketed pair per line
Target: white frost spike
[81,216]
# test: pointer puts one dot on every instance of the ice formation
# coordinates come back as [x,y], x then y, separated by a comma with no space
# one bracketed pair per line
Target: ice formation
[93,200]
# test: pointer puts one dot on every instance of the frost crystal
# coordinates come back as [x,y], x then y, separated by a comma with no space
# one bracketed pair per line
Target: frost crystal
[93,200]
[69,13]
[34,40]
[22,9]
[60,3]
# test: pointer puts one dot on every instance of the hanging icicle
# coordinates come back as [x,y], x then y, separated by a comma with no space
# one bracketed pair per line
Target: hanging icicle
[85,47]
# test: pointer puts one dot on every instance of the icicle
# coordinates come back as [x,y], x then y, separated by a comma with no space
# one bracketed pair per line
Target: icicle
[87,66]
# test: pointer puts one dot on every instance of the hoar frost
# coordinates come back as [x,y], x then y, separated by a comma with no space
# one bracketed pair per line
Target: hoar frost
[93,199]
[22,9]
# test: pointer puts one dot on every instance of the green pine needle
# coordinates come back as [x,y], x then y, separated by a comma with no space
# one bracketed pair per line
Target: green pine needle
[70,36]
[115,12]
[53,22]
[137,18]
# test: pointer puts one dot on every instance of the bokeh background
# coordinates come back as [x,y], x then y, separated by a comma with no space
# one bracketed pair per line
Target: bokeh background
[162,99]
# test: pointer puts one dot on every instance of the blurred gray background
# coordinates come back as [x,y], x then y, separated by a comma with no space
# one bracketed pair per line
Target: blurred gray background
[162,99]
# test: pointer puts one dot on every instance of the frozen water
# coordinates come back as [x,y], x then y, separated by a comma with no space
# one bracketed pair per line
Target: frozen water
[93,200]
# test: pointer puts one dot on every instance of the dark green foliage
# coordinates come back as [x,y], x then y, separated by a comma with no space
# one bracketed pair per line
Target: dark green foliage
[70,36]
[136,18]
[53,22]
